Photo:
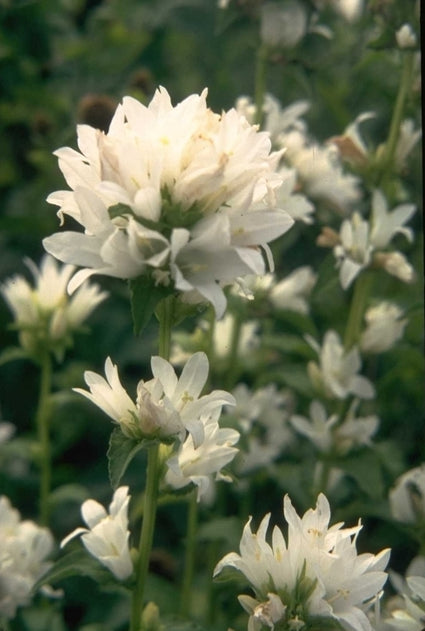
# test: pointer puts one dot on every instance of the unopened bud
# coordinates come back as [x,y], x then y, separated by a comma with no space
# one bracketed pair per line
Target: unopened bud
[328,238]
[395,264]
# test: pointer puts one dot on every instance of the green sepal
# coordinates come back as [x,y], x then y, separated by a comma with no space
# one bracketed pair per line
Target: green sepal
[121,452]
[75,563]
[145,296]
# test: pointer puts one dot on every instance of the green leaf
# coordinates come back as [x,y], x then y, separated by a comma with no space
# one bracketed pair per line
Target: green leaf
[364,466]
[75,563]
[120,453]
[145,295]
[221,529]
[68,493]
[12,353]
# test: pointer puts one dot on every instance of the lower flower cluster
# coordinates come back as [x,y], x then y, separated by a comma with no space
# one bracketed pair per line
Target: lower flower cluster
[316,578]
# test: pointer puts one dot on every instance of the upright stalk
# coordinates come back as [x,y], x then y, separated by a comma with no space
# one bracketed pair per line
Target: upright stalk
[397,117]
[165,312]
[357,309]
[43,432]
[189,560]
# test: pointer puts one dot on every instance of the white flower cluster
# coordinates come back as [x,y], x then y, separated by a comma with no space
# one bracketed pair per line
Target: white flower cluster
[180,193]
[325,433]
[262,416]
[24,548]
[336,373]
[315,574]
[169,408]
[44,315]
[107,535]
[318,168]
[361,242]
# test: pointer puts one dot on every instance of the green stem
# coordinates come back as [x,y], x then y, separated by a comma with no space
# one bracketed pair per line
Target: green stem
[358,306]
[146,536]
[189,561]
[260,82]
[42,419]
[165,316]
[165,313]
[232,358]
[393,135]
[323,477]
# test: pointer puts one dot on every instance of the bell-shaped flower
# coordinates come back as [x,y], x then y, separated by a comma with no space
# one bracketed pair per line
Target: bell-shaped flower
[199,464]
[166,406]
[354,252]
[154,192]
[337,371]
[317,572]
[24,549]
[385,224]
[292,292]
[107,535]
[45,315]
[384,327]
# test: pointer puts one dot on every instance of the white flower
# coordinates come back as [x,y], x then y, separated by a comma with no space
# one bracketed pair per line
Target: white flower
[320,170]
[407,498]
[262,416]
[412,616]
[198,464]
[292,292]
[178,191]
[355,431]
[354,253]
[337,370]
[408,138]
[296,205]
[107,535]
[395,264]
[349,9]
[166,406]
[24,548]
[318,428]
[45,316]
[384,327]
[317,571]
[6,431]
[384,224]
[405,37]
[277,120]
[282,25]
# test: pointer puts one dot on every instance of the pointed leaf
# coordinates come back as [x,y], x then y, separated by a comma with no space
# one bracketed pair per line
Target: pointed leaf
[120,453]
[75,563]
[145,295]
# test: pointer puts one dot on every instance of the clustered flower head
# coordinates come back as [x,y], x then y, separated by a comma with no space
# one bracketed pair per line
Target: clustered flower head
[24,549]
[316,574]
[107,535]
[45,316]
[166,406]
[170,409]
[180,194]
[318,168]
[262,416]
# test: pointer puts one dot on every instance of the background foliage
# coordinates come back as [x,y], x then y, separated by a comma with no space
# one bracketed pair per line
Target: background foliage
[68,61]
